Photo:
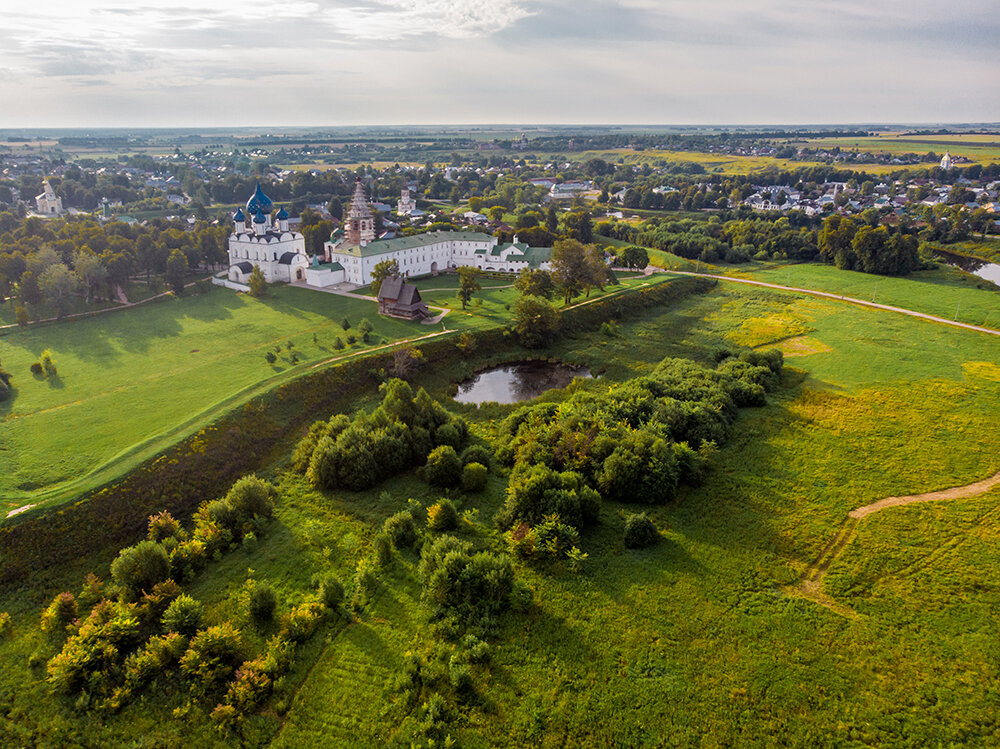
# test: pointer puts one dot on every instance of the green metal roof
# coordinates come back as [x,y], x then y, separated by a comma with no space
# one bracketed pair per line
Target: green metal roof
[383,246]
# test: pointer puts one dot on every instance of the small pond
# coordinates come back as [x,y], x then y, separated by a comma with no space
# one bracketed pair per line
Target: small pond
[981,268]
[520,381]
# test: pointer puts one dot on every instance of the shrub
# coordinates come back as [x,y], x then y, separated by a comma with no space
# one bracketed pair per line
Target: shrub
[468,586]
[401,530]
[447,434]
[184,615]
[538,491]
[153,605]
[556,538]
[443,468]
[261,602]
[383,550]
[299,624]
[162,526]
[88,657]
[36,368]
[59,614]
[331,592]
[167,649]
[365,326]
[640,532]
[522,541]
[442,516]
[474,477]
[476,454]
[365,585]
[250,497]
[643,468]
[460,678]
[140,567]
[338,343]
[345,324]
[351,339]
[476,650]
[48,366]
[92,590]
[212,656]
[5,624]
[187,558]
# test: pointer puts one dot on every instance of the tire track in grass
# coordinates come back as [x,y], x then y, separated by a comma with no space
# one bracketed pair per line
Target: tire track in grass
[810,583]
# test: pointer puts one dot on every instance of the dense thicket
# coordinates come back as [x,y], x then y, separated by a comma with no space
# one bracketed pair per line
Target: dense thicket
[357,453]
[634,442]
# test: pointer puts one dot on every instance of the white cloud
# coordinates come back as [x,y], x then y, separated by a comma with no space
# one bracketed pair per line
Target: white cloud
[398,19]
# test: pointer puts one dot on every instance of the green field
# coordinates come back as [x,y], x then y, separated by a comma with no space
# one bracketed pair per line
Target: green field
[944,292]
[979,149]
[692,642]
[132,382]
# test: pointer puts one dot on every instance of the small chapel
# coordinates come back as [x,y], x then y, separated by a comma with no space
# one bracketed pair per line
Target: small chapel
[269,244]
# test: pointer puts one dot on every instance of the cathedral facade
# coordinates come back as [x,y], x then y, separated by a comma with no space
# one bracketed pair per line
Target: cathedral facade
[279,252]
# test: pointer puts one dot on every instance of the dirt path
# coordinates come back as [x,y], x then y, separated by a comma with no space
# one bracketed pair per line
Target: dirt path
[840,298]
[810,584]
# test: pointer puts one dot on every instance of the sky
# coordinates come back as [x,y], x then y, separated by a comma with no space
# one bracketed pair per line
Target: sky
[134,63]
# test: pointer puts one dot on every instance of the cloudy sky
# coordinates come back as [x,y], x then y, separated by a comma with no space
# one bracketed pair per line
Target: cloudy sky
[69,63]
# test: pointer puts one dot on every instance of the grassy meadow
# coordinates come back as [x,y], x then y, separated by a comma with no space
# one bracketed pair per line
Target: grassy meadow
[979,149]
[943,292]
[132,382]
[691,642]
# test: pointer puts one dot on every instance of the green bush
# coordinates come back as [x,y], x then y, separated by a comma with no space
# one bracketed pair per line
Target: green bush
[59,614]
[261,602]
[474,477]
[153,605]
[442,516]
[331,592]
[640,532]
[140,567]
[212,657]
[299,624]
[555,538]
[163,526]
[89,656]
[469,586]
[383,550]
[538,491]
[365,586]
[447,434]
[443,468]
[401,530]
[36,368]
[643,468]
[476,454]
[460,678]
[184,615]
[48,366]
[338,343]
[5,624]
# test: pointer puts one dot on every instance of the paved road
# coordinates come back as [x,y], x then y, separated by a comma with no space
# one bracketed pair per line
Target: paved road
[851,300]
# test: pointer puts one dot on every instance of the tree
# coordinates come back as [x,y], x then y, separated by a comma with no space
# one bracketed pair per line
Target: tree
[535,321]
[535,282]
[57,284]
[635,257]
[569,267]
[177,268]
[257,282]
[496,213]
[28,288]
[468,283]
[552,220]
[406,360]
[91,270]
[597,271]
[382,271]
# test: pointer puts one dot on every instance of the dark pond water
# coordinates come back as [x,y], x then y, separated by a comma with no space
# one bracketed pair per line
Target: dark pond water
[521,381]
[981,268]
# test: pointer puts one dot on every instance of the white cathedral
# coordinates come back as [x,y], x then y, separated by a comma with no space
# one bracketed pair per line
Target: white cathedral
[279,252]
[48,203]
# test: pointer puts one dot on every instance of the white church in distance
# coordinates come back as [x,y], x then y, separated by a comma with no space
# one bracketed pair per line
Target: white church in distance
[279,252]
